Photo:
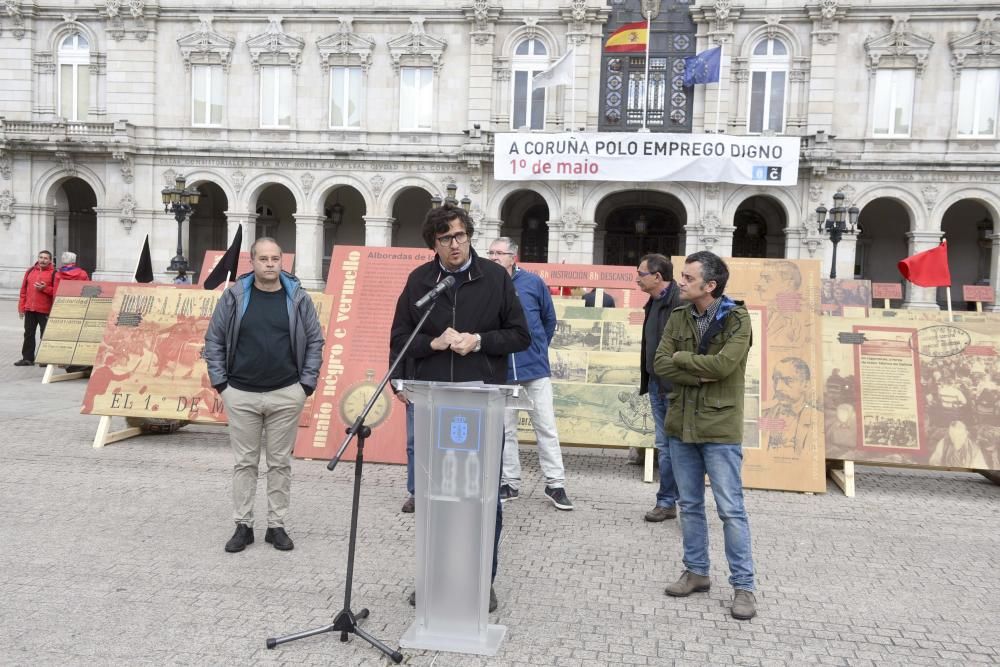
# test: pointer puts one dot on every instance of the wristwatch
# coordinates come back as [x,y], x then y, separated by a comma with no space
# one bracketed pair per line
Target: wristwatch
[479,343]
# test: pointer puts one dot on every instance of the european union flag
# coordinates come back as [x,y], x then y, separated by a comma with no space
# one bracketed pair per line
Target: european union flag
[703,68]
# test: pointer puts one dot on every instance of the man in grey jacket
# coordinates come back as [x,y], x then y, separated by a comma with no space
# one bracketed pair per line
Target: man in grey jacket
[263,348]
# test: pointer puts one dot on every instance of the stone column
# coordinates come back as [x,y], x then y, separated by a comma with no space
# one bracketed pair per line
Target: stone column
[487,231]
[309,250]
[915,297]
[479,84]
[714,239]
[794,243]
[378,231]
[994,272]
[249,223]
[595,238]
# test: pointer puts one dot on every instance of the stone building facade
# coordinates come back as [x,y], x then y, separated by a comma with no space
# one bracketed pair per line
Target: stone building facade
[337,124]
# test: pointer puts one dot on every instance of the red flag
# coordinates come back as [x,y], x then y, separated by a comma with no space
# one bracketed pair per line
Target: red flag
[928,268]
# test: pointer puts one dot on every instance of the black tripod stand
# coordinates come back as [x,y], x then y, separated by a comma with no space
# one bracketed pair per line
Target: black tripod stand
[346,621]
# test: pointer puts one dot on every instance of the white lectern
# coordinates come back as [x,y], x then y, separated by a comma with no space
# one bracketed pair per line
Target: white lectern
[457,446]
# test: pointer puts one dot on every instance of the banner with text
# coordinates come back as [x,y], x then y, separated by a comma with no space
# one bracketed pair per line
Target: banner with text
[616,156]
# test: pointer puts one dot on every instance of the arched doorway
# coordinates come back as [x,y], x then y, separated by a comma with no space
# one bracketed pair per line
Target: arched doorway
[76,223]
[760,223]
[344,222]
[276,210]
[409,211]
[967,226]
[525,218]
[882,241]
[207,229]
[636,223]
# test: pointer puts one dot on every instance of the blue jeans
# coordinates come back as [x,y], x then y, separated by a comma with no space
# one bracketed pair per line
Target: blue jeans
[666,495]
[722,463]
[409,448]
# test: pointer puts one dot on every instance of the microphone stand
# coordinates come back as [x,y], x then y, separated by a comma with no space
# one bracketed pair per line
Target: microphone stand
[346,621]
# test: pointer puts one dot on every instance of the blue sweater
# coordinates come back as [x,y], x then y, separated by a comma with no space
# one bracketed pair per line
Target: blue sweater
[540,314]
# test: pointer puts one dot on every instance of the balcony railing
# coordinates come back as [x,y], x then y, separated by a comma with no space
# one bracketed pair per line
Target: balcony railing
[60,130]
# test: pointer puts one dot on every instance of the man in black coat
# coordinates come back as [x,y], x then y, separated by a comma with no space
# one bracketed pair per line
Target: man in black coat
[474,326]
[655,277]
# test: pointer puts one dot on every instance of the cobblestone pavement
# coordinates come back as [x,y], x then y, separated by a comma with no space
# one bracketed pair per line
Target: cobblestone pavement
[114,556]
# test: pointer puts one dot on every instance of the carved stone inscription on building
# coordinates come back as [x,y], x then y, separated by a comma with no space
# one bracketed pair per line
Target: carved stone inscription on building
[322,165]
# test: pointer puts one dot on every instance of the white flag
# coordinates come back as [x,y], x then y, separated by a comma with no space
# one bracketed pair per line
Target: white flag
[560,74]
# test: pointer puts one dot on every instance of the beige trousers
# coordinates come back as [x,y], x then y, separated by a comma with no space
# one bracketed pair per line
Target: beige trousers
[265,421]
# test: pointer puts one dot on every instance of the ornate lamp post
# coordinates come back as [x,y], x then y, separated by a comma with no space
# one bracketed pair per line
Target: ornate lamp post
[842,220]
[450,198]
[180,201]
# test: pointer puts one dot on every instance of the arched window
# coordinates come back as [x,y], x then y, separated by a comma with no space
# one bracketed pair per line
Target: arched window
[530,58]
[74,77]
[768,86]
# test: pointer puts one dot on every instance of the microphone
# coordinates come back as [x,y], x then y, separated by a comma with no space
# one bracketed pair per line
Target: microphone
[436,291]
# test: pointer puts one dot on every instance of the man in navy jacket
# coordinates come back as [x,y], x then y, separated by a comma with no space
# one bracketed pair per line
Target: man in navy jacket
[530,369]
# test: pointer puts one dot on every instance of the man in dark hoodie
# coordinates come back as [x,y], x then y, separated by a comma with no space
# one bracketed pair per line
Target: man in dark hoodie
[655,277]
[704,353]
[263,349]
[35,303]
[476,324]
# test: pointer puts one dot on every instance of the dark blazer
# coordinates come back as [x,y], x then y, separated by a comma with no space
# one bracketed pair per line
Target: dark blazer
[483,302]
[661,311]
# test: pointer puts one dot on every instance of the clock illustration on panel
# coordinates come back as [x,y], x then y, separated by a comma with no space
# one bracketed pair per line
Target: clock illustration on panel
[356,398]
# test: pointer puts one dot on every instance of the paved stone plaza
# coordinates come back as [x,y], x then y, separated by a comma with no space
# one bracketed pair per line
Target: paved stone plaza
[115,556]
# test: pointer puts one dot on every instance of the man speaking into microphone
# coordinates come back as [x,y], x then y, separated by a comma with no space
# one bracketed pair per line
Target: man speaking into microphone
[476,323]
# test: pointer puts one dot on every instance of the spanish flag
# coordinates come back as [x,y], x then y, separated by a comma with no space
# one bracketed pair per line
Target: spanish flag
[630,38]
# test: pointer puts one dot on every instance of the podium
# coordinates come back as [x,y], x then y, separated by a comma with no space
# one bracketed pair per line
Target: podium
[457,443]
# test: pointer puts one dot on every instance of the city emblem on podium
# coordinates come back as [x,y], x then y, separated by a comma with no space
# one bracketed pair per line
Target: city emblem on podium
[459,430]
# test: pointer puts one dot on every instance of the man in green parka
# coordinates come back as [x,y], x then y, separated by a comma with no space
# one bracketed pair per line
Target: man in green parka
[703,352]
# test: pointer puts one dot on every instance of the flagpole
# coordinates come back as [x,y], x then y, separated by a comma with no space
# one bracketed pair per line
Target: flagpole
[645,81]
[718,90]
[947,291]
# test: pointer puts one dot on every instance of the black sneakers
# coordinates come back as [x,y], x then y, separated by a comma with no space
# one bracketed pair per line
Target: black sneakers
[240,539]
[279,538]
[507,493]
[559,498]
[24,362]
[409,505]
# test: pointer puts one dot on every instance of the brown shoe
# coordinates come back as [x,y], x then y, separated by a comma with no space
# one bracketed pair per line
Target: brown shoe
[409,505]
[661,513]
[744,605]
[688,583]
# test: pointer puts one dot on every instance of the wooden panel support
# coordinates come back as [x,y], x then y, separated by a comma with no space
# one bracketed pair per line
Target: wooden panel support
[50,375]
[844,477]
[105,436]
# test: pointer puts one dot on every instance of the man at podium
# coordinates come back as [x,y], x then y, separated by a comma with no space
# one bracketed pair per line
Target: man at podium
[476,323]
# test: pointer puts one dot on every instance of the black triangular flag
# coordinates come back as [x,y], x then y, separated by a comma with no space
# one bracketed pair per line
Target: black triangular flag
[144,269]
[228,266]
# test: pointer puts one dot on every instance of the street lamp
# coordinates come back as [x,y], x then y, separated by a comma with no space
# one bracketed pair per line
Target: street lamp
[451,198]
[180,201]
[842,220]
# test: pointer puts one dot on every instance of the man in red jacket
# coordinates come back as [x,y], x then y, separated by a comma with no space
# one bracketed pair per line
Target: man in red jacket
[37,290]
